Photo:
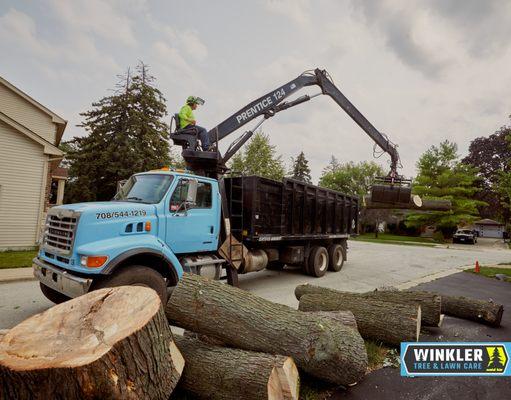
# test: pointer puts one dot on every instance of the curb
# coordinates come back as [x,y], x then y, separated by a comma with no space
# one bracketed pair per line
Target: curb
[9,275]
[432,277]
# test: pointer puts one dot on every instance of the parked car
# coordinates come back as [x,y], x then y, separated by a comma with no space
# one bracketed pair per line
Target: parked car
[464,236]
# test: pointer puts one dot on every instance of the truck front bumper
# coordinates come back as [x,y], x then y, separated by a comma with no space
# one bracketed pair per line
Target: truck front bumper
[60,280]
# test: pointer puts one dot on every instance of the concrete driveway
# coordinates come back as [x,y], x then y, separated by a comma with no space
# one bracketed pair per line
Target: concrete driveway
[369,266]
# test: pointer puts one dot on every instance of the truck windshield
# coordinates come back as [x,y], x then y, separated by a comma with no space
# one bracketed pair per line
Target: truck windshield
[148,188]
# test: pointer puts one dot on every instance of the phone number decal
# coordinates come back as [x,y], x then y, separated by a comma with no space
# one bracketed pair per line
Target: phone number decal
[121,214]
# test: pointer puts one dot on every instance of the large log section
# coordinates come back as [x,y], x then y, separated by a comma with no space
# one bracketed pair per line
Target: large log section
[384,321]
[486,312]
[111,343]
[426,205]
[431,303]
[319,345]
[219,373]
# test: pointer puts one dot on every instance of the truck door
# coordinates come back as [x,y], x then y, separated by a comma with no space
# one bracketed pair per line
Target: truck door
[194,229]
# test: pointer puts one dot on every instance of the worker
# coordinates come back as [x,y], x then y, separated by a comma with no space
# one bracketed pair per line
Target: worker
[186,118]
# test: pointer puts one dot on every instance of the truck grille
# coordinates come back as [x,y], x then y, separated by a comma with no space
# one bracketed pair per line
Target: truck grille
[60,233]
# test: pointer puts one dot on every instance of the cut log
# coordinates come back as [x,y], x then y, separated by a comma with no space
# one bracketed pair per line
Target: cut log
[203,338]
[108,344]
[319,345]
[425,205]
[214,372]
[378,320]
[483,311]
[344,317]
[431,303]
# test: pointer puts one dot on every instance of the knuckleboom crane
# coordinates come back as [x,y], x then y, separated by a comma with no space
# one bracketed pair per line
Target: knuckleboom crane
[391,189]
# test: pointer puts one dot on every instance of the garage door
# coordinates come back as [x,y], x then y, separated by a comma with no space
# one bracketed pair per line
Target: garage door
[491,232]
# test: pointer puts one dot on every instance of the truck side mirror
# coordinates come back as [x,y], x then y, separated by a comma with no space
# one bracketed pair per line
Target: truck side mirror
[191,196]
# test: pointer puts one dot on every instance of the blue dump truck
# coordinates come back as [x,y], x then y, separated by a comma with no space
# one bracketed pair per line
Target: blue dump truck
[163,223]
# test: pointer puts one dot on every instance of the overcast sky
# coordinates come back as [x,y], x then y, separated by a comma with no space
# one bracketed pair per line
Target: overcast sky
[420,71]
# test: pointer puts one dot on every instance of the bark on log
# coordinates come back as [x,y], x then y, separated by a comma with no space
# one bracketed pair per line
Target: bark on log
[431,303]
[344,317]
[379,320]
[486,312]
[108,344]
[219,373]
[319,345]
[427,205]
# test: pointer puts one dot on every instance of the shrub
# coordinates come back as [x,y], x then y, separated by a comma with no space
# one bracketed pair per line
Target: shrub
[438,237]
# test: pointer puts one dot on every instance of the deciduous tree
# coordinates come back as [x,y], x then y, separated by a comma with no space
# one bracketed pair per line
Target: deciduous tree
[350,178]
[492,155]
[258,158]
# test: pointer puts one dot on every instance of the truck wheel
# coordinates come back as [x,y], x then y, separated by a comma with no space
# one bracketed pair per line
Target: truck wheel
[318,261]
[53,295]
[336,257]
[137,275]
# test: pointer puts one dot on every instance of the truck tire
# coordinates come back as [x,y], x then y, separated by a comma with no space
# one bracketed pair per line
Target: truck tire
[137,275]
[335,257]
[318,261]
[53,295]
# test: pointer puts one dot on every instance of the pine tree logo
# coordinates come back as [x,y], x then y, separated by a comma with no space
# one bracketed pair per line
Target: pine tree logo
[498,359]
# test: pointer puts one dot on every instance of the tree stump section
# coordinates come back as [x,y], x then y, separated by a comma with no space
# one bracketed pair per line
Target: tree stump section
[219,373]
[486,312]
[384,321]
[108,344]
[431,303]
[319,345]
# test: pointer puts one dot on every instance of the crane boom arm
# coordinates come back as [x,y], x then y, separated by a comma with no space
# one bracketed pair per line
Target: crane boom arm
[274,102]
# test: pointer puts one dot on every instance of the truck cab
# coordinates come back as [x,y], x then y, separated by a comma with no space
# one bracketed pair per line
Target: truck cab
[159,224]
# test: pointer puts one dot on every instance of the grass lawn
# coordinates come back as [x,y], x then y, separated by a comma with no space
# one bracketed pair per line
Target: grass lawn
[395,239]
[491,271]
[16,259]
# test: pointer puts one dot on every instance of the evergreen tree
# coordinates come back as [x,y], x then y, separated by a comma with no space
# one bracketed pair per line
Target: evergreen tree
[332,166]
[126,134]
[258,158]
[301,170]
[442,176]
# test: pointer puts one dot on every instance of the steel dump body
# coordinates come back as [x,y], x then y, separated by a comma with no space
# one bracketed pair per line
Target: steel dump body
[267,210]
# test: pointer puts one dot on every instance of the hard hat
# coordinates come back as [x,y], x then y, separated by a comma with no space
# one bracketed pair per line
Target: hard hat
[194,100]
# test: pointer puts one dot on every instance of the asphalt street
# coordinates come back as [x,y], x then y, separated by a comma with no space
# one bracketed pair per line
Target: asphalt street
[369,266]
[387,384]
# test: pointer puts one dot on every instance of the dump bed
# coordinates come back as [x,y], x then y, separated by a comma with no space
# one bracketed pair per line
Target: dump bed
[265,210]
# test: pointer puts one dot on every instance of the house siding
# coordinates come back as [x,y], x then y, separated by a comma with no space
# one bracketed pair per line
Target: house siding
[26,114]
[23,178]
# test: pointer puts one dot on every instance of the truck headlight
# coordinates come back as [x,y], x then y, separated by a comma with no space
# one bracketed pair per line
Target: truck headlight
[93,261]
